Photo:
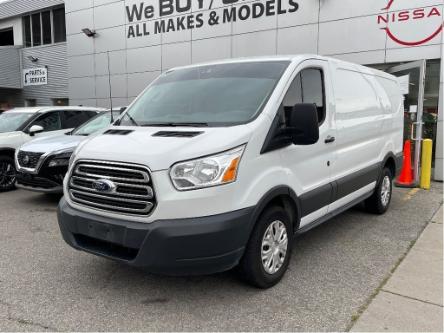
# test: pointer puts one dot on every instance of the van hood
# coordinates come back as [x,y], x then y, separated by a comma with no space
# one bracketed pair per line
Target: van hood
[143,145]
[51,144]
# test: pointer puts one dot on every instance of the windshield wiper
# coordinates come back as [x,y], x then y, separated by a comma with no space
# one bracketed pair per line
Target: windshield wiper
[132,120]
[176,124]
[119,121]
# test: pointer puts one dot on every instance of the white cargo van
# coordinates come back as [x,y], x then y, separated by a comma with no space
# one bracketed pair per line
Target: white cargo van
[220,165]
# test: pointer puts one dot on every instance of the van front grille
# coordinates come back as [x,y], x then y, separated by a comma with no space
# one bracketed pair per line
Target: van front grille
[127,187]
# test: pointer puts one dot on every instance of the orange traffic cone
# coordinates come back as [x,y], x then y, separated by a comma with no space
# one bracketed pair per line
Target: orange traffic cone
[406,177]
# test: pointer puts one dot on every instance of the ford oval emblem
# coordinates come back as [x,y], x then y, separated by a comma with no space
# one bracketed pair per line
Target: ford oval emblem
[103,185]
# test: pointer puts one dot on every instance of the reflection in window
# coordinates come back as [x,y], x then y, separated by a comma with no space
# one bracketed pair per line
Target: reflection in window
[27,31]
[59,25]
[36,30]
[46,27]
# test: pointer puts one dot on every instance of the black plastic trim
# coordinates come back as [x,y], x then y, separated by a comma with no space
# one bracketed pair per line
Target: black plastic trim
[356,180]
[329,193]
[274,140]
[399,159]
[316,199]
[177,134]
[333,214]
[200,245]
[274,193]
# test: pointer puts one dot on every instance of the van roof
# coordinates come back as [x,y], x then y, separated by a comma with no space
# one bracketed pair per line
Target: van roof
[43,109]
[293,58]
[253,59]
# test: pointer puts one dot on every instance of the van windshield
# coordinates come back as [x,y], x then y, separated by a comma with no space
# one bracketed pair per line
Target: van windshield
[213,95]
[12,121]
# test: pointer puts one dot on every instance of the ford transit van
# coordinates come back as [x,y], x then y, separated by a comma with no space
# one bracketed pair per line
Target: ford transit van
[221,165]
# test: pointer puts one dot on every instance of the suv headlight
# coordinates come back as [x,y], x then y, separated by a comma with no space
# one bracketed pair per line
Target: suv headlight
[207,171]
[60,159]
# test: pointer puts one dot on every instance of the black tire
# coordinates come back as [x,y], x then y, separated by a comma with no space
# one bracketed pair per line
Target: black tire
[8,174]
[376,204]
[251,269]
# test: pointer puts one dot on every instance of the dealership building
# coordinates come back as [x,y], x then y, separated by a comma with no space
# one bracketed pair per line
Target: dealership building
[109,50]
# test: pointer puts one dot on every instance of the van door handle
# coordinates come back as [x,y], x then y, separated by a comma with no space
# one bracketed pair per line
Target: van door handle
[330,139]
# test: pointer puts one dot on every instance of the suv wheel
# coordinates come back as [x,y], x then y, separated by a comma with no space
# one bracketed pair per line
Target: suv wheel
[8,174]
[379,202]
[268,252]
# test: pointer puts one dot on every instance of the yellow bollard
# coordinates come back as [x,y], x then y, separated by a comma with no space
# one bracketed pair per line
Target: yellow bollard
[426,164]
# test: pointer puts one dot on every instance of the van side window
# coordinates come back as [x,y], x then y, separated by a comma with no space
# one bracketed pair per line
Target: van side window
[307,87]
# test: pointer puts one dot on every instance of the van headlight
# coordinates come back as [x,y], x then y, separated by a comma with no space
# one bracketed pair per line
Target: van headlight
[207,171]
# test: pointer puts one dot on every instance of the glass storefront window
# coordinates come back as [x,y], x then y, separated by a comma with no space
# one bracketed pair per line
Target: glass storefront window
[431,100]
[44,28]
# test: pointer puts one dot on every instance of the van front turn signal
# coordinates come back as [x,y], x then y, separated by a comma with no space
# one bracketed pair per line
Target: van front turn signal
[207,171]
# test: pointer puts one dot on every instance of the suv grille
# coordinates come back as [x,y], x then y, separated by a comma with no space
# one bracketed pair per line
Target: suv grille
[128,188]
[28,159]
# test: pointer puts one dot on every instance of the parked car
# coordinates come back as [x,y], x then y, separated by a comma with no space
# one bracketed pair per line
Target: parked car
[20,125]
[220,165]
[52,155]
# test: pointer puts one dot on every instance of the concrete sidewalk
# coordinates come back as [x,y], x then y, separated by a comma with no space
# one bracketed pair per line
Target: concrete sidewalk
[412,298]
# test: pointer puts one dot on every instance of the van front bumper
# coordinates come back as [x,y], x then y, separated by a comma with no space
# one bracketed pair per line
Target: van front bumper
[202,245]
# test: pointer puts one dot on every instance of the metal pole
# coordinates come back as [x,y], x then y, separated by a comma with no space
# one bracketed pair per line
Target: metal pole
[419,123]
[110,89]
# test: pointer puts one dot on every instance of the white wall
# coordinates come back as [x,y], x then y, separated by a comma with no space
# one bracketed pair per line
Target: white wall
[346,29]
[16,24]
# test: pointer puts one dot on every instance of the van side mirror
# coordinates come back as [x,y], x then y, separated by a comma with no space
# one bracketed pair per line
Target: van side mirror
[35,129]
[303,124]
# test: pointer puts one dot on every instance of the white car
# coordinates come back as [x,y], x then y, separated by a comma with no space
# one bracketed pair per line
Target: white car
[53,154]
[21,125]
[220,165]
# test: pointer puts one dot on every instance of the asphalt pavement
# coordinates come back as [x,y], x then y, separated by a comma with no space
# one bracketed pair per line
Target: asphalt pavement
[333,276]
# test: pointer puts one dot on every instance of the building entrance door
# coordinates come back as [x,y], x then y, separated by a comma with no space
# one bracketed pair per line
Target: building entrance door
[412,78]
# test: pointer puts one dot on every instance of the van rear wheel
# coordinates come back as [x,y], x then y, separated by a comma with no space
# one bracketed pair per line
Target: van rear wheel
[379,202]
[268,252]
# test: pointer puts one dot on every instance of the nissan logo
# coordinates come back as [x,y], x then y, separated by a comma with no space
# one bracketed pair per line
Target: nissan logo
[103,185]
[26,160]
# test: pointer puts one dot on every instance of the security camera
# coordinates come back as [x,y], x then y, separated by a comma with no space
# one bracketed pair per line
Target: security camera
[33,59]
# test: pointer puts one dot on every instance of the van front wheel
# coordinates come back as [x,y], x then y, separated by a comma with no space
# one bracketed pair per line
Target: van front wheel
[379,202]
[268,252]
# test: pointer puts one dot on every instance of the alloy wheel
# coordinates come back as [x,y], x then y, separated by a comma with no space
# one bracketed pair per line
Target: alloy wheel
[7,174]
